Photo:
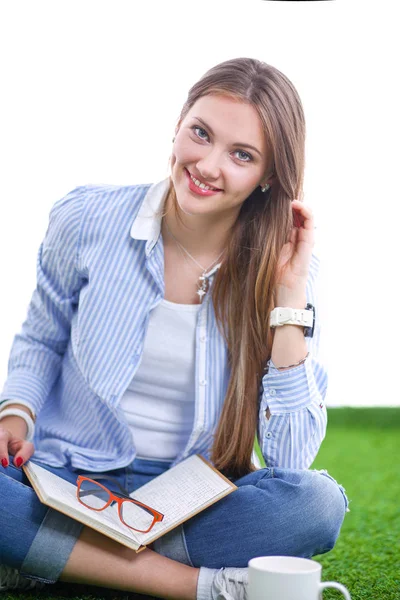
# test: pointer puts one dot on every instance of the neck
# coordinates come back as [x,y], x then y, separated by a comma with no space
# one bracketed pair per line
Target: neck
[203,236]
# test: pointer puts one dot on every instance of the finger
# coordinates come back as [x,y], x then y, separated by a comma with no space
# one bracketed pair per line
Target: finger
[21,449]
[304,236]
[301,208]
[297,221]
[293,236]
[4,438]
[303,214]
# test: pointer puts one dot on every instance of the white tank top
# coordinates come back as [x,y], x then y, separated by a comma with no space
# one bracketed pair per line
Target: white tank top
[159,402]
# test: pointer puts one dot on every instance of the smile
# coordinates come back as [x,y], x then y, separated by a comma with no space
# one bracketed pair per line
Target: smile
[202,185]
[200,188]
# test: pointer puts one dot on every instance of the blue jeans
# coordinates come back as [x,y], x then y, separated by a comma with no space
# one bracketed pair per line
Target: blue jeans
[274,512]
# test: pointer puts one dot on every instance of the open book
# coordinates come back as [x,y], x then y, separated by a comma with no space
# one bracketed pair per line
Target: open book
[179,493]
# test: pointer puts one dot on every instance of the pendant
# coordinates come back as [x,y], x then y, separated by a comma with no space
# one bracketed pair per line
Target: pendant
[203,287]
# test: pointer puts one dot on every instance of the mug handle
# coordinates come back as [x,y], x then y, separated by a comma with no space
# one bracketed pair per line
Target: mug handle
[337,586]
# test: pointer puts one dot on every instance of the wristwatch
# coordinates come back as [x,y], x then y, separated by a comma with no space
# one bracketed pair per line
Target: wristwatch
[284,315]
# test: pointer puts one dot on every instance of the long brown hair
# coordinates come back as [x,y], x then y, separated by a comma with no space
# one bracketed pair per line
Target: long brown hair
[243,289]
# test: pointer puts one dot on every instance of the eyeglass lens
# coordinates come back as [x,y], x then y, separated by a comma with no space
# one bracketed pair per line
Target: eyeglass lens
[136,516]
[95,497]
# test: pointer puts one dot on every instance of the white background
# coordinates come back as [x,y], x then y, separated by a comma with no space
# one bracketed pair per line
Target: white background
[91,92]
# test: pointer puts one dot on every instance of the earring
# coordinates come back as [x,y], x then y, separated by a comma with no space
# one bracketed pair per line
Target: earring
[265,188]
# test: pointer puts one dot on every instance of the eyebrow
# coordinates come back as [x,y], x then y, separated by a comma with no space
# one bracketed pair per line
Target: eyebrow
[235,144]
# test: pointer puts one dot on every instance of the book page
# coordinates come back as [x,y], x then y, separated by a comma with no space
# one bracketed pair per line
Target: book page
[180,492]
[61,495]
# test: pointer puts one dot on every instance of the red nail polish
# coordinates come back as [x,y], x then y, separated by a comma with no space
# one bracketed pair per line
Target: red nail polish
[19,461]
[4,462]
[297,220]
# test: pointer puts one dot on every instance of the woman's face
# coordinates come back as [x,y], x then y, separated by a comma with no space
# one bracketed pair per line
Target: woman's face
[221,144]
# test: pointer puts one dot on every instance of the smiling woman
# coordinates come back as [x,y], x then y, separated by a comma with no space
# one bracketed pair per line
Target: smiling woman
[175,319]
[241,134]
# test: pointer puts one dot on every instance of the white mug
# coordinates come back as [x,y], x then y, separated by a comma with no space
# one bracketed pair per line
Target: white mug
[287,578]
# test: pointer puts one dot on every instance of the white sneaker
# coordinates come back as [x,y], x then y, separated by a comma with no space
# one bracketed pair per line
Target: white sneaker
[230,584]
[10,579]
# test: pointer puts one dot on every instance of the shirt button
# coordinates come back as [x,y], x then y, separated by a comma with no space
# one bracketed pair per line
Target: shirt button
[269,435]
[203,338]
[203,382]
[272,392]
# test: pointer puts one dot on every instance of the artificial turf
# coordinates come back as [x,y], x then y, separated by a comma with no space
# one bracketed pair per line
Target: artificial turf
[361,451]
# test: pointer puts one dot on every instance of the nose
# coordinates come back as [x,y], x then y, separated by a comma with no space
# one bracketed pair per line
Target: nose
[209,166]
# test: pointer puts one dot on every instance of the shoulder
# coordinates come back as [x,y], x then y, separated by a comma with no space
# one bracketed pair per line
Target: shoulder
[99,196]
[91,208]
[114,194]
[91,201]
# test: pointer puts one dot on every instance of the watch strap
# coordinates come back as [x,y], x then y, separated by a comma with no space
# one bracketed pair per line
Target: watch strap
[284,315]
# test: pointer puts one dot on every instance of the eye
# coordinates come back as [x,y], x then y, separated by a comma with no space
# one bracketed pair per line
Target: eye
[201,131]
[245,156]
[202,134]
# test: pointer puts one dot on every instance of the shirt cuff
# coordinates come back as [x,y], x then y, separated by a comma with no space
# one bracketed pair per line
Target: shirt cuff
[291,390]
[25,387]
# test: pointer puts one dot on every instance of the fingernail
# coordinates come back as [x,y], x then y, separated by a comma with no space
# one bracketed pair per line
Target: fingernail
[19,461]
[4,462]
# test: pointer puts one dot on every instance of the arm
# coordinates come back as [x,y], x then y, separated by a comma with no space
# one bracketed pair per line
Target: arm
[38,349]
[292,415]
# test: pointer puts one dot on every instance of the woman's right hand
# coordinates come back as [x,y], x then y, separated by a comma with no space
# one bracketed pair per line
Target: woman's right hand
[13,444]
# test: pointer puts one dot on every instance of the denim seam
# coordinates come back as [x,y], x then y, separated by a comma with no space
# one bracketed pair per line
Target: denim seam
[173,545]
[16,480]
[185,545]
[35,578]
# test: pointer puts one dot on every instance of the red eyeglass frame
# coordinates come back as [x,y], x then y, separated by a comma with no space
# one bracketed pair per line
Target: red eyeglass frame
[119,499]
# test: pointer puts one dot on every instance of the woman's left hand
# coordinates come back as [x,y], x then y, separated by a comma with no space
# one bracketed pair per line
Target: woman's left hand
[294,260]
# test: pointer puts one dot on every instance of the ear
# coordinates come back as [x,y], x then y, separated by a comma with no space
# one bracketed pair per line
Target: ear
[268,182]
[270,179]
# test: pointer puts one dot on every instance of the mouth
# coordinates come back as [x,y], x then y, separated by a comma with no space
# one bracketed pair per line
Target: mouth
[199,186]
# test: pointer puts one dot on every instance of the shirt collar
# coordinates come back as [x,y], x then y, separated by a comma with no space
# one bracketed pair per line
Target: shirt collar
[147,223]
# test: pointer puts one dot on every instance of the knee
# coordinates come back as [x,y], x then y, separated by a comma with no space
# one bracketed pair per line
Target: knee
[327,507]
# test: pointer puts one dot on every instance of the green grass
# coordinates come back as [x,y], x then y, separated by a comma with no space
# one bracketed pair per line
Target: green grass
[362,452]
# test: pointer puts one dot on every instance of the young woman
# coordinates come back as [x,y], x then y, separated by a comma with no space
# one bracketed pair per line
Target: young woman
[174,319]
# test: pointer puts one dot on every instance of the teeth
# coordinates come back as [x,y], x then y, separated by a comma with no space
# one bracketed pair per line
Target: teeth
[201,185]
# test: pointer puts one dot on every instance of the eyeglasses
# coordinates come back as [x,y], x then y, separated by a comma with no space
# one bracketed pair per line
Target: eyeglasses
[132,513]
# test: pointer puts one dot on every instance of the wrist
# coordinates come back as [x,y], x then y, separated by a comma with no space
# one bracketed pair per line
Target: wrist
[289,347]
[14,425]
[290,298]
[12,417]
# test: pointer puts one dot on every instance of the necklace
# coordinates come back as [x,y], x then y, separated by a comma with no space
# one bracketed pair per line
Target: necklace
[202,284]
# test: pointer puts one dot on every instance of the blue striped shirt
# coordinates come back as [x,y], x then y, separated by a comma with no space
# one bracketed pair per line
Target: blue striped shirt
[100,271]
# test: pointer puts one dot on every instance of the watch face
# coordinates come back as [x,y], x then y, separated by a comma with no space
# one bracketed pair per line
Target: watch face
[309,331]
